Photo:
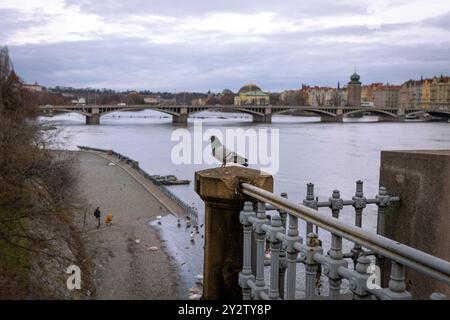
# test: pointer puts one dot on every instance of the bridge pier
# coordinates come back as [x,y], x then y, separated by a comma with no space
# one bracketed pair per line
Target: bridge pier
[93,119]
[337,118]
[181,119]
[401,118]
[262,119]
[391,119]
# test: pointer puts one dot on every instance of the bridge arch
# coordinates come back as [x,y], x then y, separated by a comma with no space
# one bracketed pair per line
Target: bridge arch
[319,112]
[228,108]
[414,113]
[83,113]
[172,113]
[377,111]
[439,113]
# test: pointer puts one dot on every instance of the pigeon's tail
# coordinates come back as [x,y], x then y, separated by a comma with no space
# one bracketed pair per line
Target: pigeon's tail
[240,160]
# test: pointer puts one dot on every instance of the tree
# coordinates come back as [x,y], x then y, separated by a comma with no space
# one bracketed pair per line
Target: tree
[211,99]
[274,99]
[33,182]
[227,97]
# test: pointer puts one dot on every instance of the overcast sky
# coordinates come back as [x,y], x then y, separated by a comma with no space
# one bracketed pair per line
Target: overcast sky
[202,45]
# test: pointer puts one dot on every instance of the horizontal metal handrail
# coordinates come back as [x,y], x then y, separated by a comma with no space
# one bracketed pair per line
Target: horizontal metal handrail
[408,256]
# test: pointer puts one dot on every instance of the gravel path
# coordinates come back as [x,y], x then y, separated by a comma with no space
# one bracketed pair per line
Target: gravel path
[124,266]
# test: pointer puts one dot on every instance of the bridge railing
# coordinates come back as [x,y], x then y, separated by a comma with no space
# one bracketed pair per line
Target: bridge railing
[279,237]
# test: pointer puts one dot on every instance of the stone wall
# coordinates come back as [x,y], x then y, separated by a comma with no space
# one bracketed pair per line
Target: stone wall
[422,217]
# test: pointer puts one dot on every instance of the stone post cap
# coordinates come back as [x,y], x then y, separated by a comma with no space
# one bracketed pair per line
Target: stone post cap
[222,184]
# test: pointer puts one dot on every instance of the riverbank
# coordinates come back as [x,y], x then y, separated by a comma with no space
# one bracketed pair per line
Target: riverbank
[128,258]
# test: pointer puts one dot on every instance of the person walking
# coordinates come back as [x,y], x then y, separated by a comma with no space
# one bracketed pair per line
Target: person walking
[98,216]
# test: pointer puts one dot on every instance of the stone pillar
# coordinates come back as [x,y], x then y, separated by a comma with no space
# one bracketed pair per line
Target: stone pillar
[182,117]
[262,119]
[401,115]
[337,118]
[93,119]
[219,189]
[421,219]
[387,119]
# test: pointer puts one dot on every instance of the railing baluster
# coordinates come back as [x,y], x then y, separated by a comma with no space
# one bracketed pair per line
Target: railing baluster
[311,266]
[283,265]
[261,220]
[336,203]
[397,285]
[310,202]
[359,205]
[275,245]
[291,238]
[383,202]
[335,253]
[246,273]
[359,288]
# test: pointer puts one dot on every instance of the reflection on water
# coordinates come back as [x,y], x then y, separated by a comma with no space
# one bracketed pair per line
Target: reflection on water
[331,155]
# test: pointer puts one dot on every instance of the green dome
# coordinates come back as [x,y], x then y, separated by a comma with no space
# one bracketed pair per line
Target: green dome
[249,87]
[355,77]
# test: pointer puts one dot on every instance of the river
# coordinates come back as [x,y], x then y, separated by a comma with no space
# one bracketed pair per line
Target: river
[330,155]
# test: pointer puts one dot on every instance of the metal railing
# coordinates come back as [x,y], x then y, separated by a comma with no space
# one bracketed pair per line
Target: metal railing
[287,248]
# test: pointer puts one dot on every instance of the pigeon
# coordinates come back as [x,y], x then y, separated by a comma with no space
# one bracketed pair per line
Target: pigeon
[225,156]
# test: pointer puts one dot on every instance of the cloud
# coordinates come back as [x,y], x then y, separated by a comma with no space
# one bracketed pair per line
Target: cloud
[201,45]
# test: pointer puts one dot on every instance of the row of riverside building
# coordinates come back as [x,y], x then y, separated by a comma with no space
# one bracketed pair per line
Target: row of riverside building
[423,93]
[428,93]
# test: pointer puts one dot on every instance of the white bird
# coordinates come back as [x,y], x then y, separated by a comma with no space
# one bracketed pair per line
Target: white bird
[225,156]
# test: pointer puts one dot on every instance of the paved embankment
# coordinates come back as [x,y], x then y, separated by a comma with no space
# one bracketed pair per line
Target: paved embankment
[125,266]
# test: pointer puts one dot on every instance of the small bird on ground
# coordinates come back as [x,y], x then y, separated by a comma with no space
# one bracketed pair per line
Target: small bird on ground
[225,156]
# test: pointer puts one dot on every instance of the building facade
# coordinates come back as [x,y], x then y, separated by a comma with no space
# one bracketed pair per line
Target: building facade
[368,93]
[440,92]
[425,93]
[152,99]
[322,96]
[410,94]
[251,94]
[33,87]
[386,96]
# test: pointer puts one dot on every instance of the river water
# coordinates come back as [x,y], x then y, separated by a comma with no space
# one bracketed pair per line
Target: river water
[330,155]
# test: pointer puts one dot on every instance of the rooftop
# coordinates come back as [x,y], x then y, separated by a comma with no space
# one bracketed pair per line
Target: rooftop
[249,87]
[255,93]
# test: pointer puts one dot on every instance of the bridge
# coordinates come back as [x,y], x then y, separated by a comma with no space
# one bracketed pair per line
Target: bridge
[260,113]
